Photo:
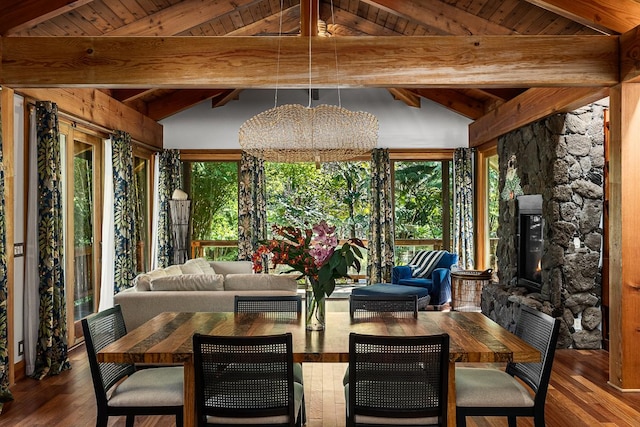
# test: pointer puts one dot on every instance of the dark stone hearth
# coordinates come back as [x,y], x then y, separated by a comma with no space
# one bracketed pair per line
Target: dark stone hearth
[561,158]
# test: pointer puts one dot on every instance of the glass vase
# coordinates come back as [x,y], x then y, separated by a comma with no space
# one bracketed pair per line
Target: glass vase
[316,310]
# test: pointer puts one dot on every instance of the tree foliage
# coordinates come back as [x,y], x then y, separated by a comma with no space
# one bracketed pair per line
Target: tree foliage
[301,193]
[418,200]
[214,188]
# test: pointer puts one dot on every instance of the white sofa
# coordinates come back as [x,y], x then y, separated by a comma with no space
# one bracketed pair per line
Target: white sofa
[197,285]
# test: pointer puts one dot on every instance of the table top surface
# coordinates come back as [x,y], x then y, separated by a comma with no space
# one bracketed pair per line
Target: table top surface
[167,338]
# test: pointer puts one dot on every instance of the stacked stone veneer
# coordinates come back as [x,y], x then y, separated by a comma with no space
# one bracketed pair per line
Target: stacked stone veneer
[561,158]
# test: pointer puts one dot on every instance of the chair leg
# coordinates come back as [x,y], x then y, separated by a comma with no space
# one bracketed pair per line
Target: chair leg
[304,411]
[461,419]
[131,419]
[513,421]
[102,421]
[180,418]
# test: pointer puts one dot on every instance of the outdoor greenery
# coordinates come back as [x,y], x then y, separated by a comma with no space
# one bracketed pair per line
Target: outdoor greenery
[301,194]
[83,199]
[418,200]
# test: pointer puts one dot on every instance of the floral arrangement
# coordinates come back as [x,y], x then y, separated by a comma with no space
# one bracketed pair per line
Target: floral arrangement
[314,253]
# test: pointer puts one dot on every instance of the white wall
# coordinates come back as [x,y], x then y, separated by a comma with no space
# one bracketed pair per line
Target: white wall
[400,126]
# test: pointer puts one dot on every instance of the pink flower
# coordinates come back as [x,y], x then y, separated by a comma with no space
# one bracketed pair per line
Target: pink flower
[321,254]
[323,229]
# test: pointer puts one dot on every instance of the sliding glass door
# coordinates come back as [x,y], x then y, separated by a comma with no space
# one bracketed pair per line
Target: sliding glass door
[82,212]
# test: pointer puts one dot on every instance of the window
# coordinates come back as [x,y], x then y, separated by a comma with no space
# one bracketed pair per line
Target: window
[487,206]
[422,207]
[213,188]
[82,177]
[142,172]
[301,194]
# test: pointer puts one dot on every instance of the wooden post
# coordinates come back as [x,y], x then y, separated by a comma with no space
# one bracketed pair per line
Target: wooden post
[624,245]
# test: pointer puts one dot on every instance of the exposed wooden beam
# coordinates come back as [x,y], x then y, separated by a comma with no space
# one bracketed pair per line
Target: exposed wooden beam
[179,17]
[532,105]
[309,17]
[127,95]
[97,107]
[458,22]
[630,56]
[16,15]
[224,98]
[248,62]
[271,24]
[180,100]
[503,94]
[406,96]
[454,101]
[624,246]
[348,24]
[608,16]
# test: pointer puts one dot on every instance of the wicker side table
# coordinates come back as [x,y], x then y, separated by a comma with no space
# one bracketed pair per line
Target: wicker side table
[466,289]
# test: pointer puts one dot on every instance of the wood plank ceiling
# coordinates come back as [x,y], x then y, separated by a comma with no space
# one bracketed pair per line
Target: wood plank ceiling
[218,18]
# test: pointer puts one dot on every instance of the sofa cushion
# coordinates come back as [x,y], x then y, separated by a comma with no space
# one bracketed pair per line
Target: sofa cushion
[189,282]
[232,267]
[197,265]
[173,270]
[259,282]
[142,282]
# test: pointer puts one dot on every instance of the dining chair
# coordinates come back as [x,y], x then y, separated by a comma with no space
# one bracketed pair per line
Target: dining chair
[272,303]
[494,393]
[371,304]
[397,380]
[120,389]
[255,385]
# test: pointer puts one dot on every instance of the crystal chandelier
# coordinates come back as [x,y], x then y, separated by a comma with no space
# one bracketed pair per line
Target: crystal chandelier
[295,133]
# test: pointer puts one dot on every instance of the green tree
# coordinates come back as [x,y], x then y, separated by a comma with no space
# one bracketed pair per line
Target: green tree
[301,194]
[214,188]
[418,200]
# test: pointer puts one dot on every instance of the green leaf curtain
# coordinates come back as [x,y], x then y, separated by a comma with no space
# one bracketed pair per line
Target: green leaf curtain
[5,393]
[124,210]
[169,180]
[252,206]
[381,231]
[51,349]
[463,206]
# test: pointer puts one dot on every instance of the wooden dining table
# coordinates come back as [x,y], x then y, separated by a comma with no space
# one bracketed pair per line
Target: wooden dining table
[167,339]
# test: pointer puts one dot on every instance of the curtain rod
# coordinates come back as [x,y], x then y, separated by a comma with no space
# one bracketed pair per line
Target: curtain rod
[76,120]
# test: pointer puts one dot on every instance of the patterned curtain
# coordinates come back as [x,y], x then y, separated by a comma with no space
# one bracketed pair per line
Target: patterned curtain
[170,179]
[463,206]
[124,211]
[252,206]
[381,231]
[51,349]
[5,393]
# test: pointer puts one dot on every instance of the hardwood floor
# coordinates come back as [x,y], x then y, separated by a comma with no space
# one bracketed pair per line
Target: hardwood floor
[578,396]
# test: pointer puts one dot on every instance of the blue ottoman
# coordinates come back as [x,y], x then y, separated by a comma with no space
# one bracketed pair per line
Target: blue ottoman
[391,289]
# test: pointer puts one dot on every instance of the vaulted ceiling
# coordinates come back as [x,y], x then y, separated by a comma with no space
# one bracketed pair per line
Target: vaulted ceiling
[347,19]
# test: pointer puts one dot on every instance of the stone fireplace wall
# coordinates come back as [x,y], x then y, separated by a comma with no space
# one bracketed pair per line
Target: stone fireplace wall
[561,158]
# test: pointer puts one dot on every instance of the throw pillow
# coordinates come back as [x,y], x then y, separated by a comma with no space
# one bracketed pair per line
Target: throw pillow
[189,282]
[191,268]
[424,262]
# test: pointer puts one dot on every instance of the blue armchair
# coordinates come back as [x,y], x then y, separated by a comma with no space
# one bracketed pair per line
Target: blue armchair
[438,284]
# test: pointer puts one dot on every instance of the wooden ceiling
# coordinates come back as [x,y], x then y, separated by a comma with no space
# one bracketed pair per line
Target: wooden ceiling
[348,19]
